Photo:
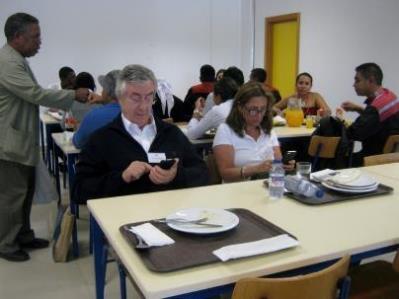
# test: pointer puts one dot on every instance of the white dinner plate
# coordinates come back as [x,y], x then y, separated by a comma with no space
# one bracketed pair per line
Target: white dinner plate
[346,176]
[226,219]
[350,190]
[353,187]
[353,178]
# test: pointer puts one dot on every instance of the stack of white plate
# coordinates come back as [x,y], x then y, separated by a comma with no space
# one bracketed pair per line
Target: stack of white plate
[351,181]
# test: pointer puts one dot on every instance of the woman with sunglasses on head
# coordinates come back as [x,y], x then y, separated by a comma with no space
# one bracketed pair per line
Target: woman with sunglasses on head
[310,102]
[245,146]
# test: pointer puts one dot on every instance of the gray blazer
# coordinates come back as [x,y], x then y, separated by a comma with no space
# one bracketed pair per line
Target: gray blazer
[20,97]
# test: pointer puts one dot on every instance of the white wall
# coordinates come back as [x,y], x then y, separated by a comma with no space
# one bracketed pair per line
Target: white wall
[335,37]
[172,37]
[175,37]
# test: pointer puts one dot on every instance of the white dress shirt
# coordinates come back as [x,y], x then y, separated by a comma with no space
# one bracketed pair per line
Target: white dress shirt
[143,136]
[217,115]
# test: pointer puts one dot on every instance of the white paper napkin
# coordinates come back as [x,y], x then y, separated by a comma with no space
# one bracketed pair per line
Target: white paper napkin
[151,235]
[280,120]
[346,176]
[255,248]
[56,115]
[321,175]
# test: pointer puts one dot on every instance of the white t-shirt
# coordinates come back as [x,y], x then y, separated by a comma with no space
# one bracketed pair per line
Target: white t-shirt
[246,149]
[209,103]
[217,115]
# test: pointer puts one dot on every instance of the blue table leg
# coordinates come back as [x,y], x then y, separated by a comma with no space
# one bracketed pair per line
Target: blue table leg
[56,151]
[74,207]
[51,128]
[122,281]
[98,257]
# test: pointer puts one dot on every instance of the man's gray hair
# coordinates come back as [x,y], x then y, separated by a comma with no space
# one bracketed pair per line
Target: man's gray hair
[18,23]
[109,81]
[134,73]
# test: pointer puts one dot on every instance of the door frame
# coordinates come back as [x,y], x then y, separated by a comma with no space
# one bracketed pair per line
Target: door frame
[269,22]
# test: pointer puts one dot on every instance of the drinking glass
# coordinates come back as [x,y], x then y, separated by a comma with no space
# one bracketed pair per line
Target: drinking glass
[309,122]
[303,169]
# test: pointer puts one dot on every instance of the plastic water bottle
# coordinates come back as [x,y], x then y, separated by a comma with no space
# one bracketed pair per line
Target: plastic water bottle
[298,185]
[276,185]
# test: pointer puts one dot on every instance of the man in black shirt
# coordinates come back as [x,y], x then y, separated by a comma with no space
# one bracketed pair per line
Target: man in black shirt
[379,118]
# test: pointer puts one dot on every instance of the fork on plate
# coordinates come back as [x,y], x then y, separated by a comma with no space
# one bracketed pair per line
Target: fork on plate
[200,221]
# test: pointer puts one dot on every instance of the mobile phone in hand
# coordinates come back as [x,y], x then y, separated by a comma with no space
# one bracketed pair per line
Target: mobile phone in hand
[288,156]
[167,164]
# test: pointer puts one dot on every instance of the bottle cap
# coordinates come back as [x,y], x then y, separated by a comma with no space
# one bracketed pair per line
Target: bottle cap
[319,193]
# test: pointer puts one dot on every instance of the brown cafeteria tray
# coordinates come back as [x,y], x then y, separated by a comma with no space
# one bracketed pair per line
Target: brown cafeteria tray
[193,250]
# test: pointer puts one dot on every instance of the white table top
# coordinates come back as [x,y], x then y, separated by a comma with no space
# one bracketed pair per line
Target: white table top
[287,132]
[324,232]
[387,170]
[281,131]
[65,145]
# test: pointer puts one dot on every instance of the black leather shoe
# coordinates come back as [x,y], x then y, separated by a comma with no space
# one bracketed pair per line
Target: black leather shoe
[16,256]
[36,243]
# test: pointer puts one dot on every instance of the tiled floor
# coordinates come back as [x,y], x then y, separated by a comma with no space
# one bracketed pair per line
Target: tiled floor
[42,278]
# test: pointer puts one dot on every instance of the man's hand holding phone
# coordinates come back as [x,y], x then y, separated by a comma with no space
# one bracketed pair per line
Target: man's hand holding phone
[164,172]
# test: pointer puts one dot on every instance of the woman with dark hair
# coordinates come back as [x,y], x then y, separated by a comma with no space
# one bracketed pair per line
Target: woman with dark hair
[310,102]
[219,74]
[79,110]
[246,145]
[85,79]
[224,92]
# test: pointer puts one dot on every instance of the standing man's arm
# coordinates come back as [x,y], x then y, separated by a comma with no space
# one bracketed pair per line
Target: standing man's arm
[17,80]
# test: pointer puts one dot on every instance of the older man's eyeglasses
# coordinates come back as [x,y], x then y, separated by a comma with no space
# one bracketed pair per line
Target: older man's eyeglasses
[253,111]
[138,99]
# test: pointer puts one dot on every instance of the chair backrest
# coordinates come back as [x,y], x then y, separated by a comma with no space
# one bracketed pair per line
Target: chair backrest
[319,285]
[214,176]
[325,152]
[391,145]
[381,159]
[323,147]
